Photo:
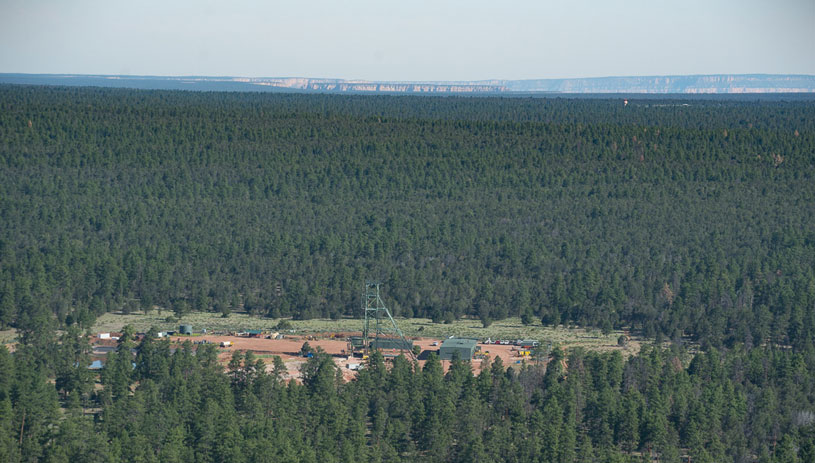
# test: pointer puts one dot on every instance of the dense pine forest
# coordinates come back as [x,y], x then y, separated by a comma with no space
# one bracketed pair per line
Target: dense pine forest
[684,221]
[668,219]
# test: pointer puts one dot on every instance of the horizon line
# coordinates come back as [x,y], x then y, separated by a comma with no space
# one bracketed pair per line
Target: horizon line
[359,79]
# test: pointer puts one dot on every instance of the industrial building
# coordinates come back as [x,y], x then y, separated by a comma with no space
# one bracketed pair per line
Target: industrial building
[391,344]
[357,344]
[464,346]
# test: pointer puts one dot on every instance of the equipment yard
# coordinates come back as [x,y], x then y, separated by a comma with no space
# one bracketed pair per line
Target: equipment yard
[242,332]
[509,328]
[288,349]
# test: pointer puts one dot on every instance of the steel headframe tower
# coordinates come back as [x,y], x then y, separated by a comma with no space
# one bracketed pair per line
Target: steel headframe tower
[379,316]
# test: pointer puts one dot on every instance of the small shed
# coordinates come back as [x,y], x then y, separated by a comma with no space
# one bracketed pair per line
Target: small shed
[185,329]
[464,346]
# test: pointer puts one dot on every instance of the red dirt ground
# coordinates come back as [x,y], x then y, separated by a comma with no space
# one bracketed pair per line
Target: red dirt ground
[288,349]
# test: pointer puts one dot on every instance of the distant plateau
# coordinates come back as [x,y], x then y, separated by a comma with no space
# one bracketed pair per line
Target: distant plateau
[695,84]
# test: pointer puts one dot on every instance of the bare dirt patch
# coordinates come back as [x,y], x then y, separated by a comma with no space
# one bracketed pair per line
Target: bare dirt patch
[331,336]
[288,349]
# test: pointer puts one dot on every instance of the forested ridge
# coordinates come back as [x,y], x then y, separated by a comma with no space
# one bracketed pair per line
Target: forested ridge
[681,223]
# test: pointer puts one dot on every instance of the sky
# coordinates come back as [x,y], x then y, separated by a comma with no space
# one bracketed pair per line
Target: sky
[408,40]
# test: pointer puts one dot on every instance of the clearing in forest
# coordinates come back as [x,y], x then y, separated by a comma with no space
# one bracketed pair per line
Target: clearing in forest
[509,328]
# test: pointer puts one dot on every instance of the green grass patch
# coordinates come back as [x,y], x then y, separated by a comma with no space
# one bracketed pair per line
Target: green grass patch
[510,328]
[8,336]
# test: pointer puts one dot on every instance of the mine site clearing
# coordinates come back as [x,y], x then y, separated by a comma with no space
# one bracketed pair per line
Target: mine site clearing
[500,340]
[289,350]
[509,328]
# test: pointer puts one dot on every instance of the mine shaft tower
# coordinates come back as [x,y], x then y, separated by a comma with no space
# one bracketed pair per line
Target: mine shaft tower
[380,327]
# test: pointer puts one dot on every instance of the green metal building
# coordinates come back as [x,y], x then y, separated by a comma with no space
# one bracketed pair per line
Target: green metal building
[464,346]
[391,343]
[357,342]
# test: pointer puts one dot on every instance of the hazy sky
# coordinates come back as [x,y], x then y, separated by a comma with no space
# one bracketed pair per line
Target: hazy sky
[408,40]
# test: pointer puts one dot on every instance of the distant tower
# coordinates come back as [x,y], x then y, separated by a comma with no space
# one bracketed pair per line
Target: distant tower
[384,330]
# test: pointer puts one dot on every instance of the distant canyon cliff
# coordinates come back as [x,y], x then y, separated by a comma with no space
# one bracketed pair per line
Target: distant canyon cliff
[339,85]
[742,83]
[705,84]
